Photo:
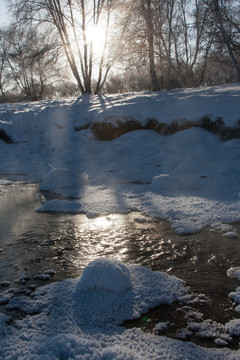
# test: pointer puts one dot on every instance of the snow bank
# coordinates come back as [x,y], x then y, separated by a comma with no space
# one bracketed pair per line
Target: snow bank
[190,178]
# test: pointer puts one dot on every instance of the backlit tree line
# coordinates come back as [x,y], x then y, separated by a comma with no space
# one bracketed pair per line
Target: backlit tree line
[68,47]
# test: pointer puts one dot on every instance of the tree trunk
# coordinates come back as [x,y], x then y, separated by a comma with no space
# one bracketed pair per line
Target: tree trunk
[2,93]
[146,7]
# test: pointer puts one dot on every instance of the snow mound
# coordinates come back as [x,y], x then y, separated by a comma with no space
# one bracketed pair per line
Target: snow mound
[231,234]
[162,183]
[105,274]
[58,179]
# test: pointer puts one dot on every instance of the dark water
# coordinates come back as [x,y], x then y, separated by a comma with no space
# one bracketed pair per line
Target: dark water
[31,243]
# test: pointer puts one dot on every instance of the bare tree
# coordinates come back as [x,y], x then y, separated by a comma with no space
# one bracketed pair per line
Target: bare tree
[173,38]
[181,41]
[31,59]
[194,43]
[225,16]
[139,51]
[78,23]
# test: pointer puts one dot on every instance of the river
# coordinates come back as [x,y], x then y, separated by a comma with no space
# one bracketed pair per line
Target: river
[31,243]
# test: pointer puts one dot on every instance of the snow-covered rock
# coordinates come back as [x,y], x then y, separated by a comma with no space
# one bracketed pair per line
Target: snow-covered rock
[105,274]
[59,179]
[231,234]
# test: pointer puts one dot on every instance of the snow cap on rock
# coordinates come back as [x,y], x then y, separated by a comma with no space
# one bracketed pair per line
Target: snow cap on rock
[105,274]
[60,178]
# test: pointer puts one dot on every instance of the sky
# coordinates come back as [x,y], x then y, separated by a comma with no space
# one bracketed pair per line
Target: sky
[3,13]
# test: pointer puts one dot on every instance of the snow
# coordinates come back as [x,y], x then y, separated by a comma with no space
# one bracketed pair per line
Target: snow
[190,178]
[58,179]
[106,274]
[161,326]
[64,321]
[45,276]
[231,234]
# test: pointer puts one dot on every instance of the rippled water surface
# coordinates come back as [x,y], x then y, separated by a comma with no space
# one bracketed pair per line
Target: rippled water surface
[31,243]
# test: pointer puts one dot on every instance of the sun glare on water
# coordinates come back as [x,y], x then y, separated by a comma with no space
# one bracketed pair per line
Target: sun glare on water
[102,222]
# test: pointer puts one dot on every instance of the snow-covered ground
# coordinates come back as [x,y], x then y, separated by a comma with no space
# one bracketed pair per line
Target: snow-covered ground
[190,178]
[79,319]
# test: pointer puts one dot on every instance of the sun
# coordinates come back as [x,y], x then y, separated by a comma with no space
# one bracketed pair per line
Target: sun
[96,34]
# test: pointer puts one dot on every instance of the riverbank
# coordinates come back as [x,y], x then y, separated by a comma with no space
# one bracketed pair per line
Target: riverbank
[165,205]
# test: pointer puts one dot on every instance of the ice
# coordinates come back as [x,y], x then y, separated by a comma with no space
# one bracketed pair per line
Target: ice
[231,234]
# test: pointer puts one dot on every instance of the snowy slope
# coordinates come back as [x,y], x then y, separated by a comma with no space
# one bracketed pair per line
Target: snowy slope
[190,178]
